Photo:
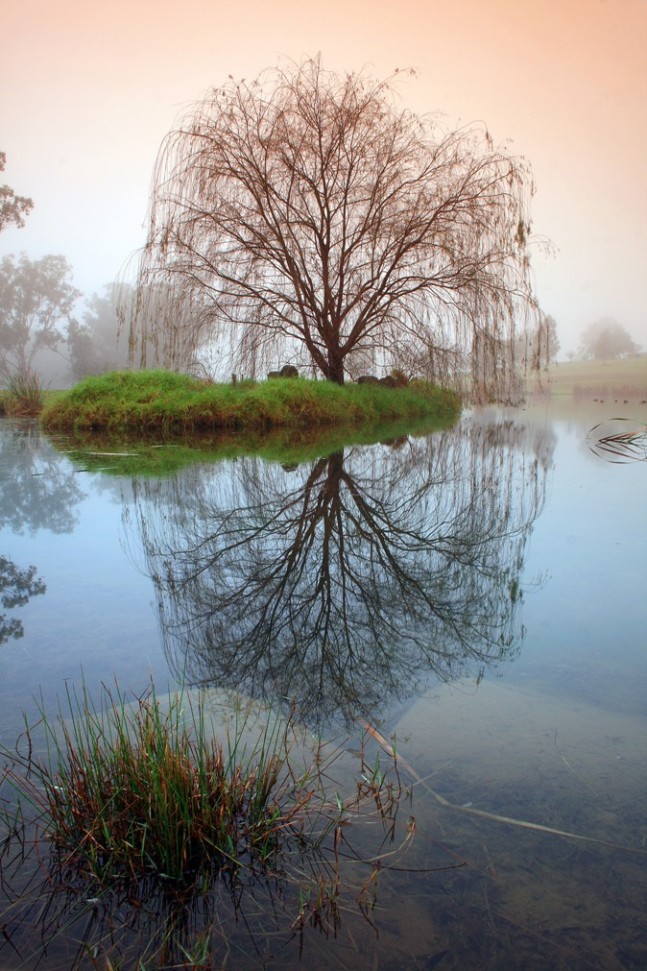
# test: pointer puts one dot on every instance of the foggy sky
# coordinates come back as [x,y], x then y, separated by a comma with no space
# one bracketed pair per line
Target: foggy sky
[90,89]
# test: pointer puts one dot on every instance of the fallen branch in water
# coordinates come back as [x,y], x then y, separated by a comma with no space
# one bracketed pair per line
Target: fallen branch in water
[482,813]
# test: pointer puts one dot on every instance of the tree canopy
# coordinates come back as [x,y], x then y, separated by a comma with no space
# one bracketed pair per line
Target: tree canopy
[306,217]
[606,339]
[36,297]
[13,208]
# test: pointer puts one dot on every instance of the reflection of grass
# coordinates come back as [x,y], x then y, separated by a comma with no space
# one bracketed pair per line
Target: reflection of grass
[153,822]
[619,440]
[159,401]
[125,455]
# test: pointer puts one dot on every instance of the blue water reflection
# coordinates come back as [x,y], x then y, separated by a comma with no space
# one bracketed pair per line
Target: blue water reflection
[96,614]
[482,595]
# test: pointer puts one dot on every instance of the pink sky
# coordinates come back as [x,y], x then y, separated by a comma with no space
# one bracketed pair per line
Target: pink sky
[90,89]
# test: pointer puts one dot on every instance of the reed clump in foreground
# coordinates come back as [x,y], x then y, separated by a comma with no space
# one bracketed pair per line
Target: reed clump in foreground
[162,401]
[131,837]
[130,792]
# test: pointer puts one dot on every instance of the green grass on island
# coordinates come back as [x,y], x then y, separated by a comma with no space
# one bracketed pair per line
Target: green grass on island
[154,402]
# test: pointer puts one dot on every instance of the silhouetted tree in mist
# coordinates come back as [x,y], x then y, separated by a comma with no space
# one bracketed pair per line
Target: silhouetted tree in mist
[36,308]
[606,339]
[93,343]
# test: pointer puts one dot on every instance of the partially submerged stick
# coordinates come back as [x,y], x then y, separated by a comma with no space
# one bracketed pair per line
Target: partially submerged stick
[482,813]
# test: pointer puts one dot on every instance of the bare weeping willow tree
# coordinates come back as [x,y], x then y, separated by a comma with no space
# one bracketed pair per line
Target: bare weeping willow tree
[306,217]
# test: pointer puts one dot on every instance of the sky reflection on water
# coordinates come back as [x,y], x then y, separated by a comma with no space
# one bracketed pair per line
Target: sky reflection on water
[514,676]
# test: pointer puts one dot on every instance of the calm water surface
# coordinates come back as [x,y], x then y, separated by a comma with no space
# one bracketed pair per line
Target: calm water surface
[478,594]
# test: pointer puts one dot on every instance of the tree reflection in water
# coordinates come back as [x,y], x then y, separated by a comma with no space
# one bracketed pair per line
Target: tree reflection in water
[344,585]
[16,587]
[38,490]
[39,487]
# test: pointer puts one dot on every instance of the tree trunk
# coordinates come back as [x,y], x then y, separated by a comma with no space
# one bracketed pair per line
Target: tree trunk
[335,367]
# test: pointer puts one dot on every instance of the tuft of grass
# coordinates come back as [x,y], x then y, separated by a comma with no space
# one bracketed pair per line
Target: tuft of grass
[129,792]
[24,397]
[136,816]
[145,402]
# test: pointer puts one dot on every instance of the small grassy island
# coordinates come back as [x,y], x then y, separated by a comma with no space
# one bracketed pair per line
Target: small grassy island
[151,402]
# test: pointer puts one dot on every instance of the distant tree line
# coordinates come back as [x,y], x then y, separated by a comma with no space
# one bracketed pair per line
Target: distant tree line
[39,306]
[40,323]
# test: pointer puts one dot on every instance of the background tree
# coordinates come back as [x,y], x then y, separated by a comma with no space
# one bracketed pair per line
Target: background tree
[306,216]
[606,339]
[13,208]
[539,346]
[93,343]
[36,300]
[544,345]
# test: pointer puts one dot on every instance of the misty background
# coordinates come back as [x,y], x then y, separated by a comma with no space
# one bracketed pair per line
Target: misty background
[90,91]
